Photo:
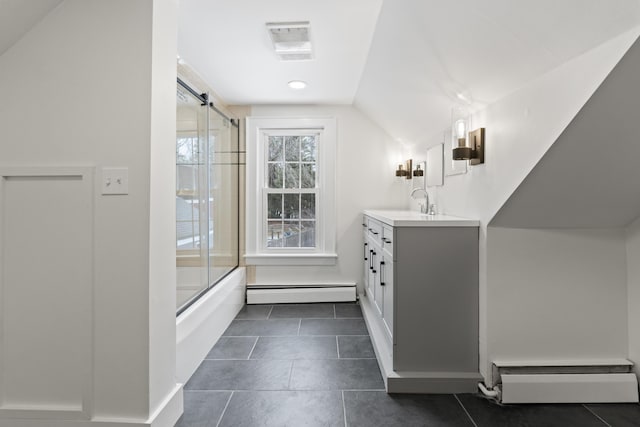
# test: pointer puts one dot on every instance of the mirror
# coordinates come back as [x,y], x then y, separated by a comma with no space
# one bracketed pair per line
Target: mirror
[434,167]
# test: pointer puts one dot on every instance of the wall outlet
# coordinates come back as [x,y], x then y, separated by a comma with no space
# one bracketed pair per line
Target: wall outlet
[115,180]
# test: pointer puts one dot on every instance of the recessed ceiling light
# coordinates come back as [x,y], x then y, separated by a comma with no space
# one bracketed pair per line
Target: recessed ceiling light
[297,84]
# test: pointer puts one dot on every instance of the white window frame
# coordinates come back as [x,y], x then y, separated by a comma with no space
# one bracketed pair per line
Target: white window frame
[257,253]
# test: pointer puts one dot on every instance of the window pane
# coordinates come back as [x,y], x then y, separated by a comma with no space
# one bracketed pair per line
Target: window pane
[308,152]
[308,234]
[292,179]
[291,234]
[308,175]
[292,147]
[275,148]
[274,206]
[275,175]
[274,234]
[308,208]
[291,206]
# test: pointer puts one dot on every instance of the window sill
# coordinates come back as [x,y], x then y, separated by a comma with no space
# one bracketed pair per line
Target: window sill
[291,259]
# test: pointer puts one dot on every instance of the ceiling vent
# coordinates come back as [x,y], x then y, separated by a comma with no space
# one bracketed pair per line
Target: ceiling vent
[291,40]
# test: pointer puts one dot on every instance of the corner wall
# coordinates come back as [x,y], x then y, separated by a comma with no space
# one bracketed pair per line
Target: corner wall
[93,86]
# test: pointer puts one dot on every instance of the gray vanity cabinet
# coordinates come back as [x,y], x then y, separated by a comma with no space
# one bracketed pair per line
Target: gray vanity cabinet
[420,304]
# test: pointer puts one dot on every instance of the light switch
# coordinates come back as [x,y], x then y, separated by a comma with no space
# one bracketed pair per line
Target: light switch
[115,180]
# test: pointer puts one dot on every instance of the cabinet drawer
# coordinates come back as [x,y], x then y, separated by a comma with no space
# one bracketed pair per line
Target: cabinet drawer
[387,239]
[374,229]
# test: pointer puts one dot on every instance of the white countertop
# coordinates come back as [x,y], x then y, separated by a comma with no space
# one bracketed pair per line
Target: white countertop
[417,219]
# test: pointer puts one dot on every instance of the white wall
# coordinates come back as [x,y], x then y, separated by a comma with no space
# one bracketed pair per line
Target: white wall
[162,210]
[93,85]
[556,294]
[633,291]
[520,128]
[366,160]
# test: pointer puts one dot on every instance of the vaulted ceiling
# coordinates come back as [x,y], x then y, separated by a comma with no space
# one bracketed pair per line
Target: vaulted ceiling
[404,63]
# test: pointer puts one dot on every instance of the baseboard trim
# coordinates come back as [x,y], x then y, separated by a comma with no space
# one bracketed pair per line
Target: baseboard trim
[300,294]
[170,410]
[570,388]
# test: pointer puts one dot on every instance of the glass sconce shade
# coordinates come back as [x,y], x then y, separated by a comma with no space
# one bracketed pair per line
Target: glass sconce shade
[459,127]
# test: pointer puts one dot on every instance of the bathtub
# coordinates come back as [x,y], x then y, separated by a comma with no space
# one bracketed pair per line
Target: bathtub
[201,325]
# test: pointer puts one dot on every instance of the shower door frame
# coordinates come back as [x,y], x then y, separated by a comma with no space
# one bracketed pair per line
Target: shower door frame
[204,99]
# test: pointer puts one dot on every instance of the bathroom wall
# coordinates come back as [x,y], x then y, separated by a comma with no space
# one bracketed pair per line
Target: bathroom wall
[520,128]
[633,291]
[91,86]
[556,294]
[365,163]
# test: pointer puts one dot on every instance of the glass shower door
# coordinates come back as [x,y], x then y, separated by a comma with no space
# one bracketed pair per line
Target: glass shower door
[223,184]
[192,198]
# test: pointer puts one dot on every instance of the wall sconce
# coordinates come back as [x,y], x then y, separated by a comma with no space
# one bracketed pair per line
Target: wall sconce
[475,152]
[459,128]
[404,170]
[417,171]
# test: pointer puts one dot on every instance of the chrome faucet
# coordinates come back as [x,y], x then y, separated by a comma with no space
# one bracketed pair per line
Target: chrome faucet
[424,208]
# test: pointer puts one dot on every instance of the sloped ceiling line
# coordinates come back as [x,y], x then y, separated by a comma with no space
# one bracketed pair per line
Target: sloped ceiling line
[589,177]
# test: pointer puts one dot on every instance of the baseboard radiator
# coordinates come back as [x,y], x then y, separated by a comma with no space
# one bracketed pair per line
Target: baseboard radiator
[300,293]
[601,381]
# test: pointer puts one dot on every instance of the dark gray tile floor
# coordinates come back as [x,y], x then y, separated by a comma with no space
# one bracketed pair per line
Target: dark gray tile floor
[314,365]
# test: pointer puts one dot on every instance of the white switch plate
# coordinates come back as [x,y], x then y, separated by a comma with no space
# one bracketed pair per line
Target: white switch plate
[115,180]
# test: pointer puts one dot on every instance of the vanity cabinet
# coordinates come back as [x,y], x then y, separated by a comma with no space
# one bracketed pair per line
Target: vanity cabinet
[378,271]
[420,300]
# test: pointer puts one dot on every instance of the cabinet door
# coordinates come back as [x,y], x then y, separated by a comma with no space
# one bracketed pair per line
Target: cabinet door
[365,264]
[374,253]
[386,282]
[378,291]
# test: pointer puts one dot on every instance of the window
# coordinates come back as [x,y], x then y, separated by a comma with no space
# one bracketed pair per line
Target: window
[291,162]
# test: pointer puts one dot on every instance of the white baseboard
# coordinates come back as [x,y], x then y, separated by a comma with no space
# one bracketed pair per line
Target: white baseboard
[170,410]
[569,388]
[307,294]
[166,415]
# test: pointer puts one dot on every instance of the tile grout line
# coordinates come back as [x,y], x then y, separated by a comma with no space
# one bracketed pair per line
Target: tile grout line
[337,347]
[596,415]
[253,348]
[225,409]
[335,316]
[344,408]
[290,375]
[465,410]
[270,311]
[299,325]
